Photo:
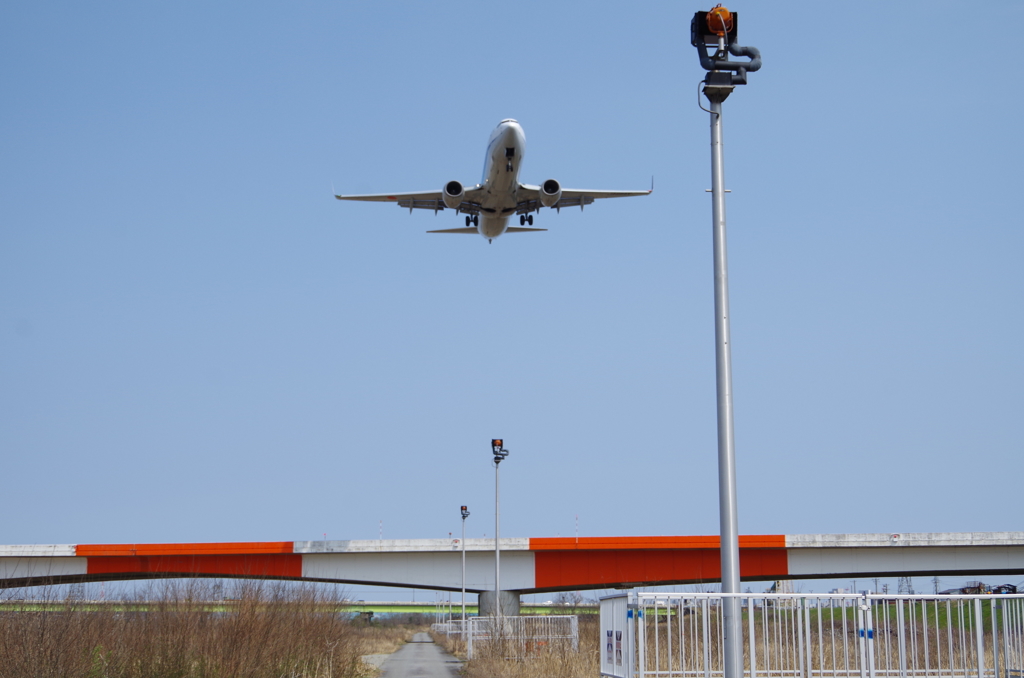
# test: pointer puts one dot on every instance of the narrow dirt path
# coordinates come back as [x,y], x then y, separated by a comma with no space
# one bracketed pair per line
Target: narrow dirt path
[421,658]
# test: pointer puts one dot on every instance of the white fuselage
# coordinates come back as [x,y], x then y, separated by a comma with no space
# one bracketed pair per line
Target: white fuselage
[505,151]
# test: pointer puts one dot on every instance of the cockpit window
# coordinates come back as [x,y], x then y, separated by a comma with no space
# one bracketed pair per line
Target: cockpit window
[509,120]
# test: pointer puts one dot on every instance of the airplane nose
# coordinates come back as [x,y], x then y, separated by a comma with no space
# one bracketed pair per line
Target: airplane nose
[513,132]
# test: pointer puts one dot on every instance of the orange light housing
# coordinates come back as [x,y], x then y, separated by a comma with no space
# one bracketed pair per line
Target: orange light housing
[719,20]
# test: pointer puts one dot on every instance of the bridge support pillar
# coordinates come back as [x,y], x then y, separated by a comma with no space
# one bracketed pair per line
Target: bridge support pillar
[509,603]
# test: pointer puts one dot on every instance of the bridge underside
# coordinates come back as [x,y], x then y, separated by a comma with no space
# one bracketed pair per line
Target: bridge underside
[528,565]
[23,582]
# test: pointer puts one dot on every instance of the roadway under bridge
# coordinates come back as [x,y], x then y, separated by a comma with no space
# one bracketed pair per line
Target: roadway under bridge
[527,565]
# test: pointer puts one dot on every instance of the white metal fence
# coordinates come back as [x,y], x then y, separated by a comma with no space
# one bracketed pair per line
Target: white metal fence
[518,636]
[815,635]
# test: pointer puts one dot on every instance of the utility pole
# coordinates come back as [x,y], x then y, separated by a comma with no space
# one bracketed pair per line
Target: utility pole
[718,28]
[497,448]
[465,514]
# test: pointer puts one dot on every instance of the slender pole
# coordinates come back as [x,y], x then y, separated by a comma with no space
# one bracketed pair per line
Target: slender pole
[728,520]
[497,539]
[463,572]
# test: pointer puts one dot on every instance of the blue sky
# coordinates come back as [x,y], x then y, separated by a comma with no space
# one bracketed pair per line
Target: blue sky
[197,343]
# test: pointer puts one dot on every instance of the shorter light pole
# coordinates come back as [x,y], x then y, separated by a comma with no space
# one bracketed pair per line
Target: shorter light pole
[498,448]
[465,514]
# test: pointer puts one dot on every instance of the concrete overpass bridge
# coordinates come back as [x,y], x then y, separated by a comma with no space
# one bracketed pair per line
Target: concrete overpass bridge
[527,565]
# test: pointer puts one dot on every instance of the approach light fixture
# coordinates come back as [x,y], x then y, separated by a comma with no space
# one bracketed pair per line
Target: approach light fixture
[498,448]
[719,28]
[465,512]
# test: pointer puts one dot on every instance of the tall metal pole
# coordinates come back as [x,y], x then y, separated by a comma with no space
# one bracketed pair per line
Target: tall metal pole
[497,539]
[718,27]
[499,451]
[465,514]
[728,521]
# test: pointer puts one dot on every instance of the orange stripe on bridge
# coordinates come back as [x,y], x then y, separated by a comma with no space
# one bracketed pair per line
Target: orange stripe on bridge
[615,561]
[213,548]
[225,559]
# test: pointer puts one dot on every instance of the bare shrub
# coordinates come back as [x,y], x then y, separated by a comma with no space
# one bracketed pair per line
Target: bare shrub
[182,629]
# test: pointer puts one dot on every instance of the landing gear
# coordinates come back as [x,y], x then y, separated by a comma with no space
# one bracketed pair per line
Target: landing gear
[468,220]
[529,219]
[525,219]
[522,219]
[476,219]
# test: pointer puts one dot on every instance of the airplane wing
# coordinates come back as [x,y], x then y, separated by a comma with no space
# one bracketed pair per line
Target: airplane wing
[426,200]
[571,197]
[470,229]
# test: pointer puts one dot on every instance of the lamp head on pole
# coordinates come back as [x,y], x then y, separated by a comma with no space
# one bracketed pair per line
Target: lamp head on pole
[465,512]
[498,448]
[718,28]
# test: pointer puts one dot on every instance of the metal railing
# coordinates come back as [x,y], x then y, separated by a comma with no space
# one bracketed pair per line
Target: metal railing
[516,636]
[816,635]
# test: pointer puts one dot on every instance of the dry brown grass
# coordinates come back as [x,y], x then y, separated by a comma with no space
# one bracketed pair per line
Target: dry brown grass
[266,630]
[555,660]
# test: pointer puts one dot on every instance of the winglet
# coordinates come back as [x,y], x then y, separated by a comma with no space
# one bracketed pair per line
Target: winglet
[652,185]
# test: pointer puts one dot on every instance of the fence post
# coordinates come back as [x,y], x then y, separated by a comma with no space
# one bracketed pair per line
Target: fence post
[1007,628]
[994,605]
[705,625]
[631,658]
[862,640]
[924,626]
[808,645]
[799,627]
[641,637]
[751,641]
[901,638]
[869,635]
[979,634]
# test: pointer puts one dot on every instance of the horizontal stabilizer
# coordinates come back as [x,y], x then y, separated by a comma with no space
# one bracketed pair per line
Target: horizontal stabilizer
[470,229]
[516,229]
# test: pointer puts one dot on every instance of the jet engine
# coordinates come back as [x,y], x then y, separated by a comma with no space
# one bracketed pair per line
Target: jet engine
[453,194]
[550,193]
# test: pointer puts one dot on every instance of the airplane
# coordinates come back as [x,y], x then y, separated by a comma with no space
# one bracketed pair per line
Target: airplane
[499,195]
